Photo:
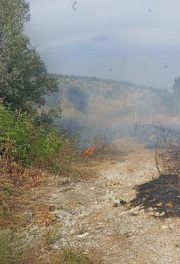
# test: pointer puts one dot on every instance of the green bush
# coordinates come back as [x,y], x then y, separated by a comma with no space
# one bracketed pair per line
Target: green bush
[31,144]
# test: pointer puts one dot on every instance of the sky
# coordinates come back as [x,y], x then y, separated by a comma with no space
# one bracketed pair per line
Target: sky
[128,40]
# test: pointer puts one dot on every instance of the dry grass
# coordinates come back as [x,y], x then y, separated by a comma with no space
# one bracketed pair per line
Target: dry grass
[16,185]
[14,251]
[74,257]
[24,202]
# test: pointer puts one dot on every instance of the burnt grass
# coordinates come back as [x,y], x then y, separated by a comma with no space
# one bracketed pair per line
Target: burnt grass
[161,194]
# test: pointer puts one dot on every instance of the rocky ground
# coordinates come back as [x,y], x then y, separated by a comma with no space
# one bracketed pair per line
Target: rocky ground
[98,216]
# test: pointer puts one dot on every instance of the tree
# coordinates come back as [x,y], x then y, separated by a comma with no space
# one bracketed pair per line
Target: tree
[176,86]
[23,75]
[176,89]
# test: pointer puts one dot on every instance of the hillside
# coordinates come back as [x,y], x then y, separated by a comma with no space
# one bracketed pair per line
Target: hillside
[91,106]
[104,87]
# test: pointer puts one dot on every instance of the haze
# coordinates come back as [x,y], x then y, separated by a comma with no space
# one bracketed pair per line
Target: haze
[137,41]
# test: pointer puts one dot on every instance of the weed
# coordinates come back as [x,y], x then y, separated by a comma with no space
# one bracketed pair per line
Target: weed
[51,235]
[73,257]
[8,247]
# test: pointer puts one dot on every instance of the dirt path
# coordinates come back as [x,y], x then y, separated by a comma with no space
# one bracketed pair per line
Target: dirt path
[96,217]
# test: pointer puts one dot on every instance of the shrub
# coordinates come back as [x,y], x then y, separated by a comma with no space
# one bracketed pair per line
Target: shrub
[27,143]
[167,154]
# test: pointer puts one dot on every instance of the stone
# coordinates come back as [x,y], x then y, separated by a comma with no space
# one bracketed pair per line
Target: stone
[137,208]
[151,209]
[116,204]
[157,214]
[159,204]
[65,180]
[164,227]
[134,211]
[83,235]
[142,211]
[151,213]
[163,214]
[123,213]
[171,226]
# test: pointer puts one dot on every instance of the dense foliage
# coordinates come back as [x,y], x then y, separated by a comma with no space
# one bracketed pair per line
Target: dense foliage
[26,132]
[23,75]
[27,142]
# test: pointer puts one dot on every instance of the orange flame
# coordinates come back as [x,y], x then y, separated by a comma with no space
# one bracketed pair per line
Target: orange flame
[89,151]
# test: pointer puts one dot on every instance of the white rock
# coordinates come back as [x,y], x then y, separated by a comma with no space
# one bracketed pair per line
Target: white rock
[134,212]
[151,209]
[83,235]
[163,213]
[137,208]
[141,211]
[157,214]
[124,212]
[151,213]
[159,204]
[164,227]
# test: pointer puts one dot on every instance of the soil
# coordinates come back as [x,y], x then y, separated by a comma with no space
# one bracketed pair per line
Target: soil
[126,214]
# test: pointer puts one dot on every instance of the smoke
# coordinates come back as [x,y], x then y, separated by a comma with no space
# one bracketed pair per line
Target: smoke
[78,98]
[98,108]
[109,109]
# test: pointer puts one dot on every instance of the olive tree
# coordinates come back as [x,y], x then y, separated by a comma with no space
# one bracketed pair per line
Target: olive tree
[24,79]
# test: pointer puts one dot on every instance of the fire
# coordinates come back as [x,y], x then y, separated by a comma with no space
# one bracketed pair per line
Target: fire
[89,151]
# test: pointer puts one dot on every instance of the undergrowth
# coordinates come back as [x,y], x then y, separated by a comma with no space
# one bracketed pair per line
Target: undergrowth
[28,143]
[14,251]
[29,154]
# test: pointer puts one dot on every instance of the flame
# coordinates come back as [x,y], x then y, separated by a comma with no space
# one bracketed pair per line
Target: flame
[90,151]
